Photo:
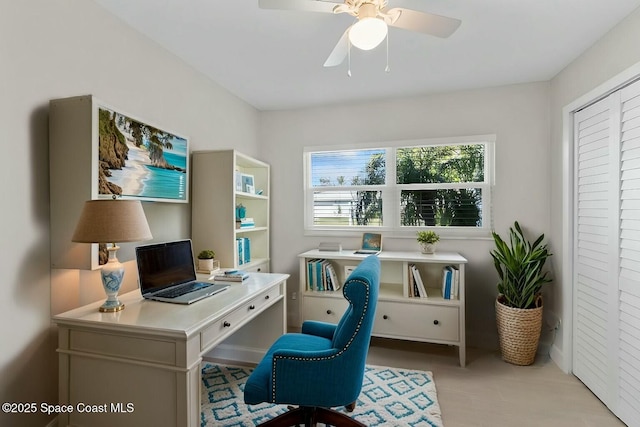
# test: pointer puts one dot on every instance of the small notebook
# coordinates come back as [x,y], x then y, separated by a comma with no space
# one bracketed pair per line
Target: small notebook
[231,276]
[167,273]
[371,244]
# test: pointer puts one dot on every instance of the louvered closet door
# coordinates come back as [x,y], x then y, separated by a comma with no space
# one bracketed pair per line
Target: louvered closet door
[606,328]
[594,264]
[629,279]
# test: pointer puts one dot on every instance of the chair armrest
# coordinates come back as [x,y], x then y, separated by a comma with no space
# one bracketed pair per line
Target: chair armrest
[320,329]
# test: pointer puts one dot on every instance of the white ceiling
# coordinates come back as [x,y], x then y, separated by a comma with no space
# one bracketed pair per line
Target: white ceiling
[273,59]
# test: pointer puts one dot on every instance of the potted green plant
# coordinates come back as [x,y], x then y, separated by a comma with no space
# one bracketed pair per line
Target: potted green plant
[428,240]
[519,264]
[205,260]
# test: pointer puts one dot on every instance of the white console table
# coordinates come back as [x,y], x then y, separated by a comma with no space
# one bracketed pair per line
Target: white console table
[433,319]
[141,366]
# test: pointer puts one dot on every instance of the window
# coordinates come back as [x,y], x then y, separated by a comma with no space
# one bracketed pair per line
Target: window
[440,184]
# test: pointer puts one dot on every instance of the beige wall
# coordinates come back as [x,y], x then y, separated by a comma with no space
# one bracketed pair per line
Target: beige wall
[613,54]
[59,48]
[518,115]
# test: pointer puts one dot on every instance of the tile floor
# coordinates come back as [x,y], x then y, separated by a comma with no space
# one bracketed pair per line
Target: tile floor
[491,392]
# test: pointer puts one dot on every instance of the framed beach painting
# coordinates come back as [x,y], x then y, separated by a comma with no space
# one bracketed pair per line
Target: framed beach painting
[140,161]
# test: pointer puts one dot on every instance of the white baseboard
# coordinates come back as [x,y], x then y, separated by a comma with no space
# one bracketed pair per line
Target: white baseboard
[241,354]
[558,358]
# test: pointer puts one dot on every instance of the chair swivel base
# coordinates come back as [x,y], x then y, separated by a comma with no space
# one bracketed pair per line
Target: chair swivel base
[310,416]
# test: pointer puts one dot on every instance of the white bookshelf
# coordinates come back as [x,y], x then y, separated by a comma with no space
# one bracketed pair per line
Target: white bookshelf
[431,319]
[214,201]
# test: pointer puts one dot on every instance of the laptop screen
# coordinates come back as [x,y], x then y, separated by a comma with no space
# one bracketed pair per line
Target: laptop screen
[164,264]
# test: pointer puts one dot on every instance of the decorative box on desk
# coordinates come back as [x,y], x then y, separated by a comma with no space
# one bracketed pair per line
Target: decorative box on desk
[399,315]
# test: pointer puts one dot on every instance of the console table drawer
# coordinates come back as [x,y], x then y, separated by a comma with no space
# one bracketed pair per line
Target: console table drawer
[324,309]
[228,323]
[421,321]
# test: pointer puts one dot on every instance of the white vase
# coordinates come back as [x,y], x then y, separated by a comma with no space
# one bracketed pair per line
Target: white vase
[428,248]
[205,264]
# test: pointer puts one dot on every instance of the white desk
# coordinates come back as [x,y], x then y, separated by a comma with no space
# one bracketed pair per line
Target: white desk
[141,366]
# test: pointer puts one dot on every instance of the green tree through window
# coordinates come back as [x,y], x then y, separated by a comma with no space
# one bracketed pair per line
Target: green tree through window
[439,185]
[447,164]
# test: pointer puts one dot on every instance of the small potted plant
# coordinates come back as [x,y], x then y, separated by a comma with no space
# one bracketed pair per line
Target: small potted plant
[205,260]
[428,240]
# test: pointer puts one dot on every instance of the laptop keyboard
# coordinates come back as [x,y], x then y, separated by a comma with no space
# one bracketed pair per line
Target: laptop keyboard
[181,290]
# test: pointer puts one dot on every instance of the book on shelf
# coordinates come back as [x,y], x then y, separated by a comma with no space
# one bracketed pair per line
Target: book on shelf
[239,251]
[455,287]
[312,280]
[421,290]
[231,276]
[447,274]
[411,283]
[321,275]
[335,284]
[320,283]
[243,247]
[247,223]
[450,282]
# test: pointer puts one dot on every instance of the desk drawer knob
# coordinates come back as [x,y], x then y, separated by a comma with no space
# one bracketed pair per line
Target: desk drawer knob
[329,311]
[226,324]
[266,297]
[252,307]
[385,317]
[436,322]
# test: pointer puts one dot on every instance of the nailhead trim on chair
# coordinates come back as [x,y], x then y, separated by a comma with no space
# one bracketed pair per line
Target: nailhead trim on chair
[364,311]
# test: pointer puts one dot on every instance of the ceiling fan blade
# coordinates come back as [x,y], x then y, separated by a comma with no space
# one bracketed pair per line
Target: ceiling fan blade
[303,5]
[427,23]
[339,52]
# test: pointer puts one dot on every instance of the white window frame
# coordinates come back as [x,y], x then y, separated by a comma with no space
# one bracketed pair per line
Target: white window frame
[391,191]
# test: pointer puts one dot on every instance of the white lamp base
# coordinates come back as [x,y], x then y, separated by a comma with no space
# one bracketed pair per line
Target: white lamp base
[112,274]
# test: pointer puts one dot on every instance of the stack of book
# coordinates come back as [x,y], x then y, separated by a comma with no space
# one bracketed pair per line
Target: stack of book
[321,276]
[243,246]
[450,282]
[247,223]
[231,276]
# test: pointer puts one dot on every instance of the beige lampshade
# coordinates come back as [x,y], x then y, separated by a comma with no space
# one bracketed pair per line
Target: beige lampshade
[112,221]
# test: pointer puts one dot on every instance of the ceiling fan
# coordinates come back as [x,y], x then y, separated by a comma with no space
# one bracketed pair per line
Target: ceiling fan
[373,19]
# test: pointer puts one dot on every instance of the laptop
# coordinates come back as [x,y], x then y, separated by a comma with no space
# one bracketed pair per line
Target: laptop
[167,273]
[371,244]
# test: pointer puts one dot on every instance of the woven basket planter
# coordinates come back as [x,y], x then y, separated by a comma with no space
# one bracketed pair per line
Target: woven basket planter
[519,332]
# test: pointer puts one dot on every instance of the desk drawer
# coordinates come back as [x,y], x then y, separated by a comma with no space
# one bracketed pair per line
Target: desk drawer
[324,309]
[258,268]
[147,349]
[232,321]
[420,321]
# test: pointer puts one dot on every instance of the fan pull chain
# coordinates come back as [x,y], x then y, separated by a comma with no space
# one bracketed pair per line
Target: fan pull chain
[349,59]
[387,69]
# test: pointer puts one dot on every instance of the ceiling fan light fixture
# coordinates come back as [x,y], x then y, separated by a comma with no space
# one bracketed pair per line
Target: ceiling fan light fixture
[368,33]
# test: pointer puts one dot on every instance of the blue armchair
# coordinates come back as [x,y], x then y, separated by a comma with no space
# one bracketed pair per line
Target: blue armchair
[322,366]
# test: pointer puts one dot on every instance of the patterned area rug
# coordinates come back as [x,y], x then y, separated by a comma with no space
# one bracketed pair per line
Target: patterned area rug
[389,397]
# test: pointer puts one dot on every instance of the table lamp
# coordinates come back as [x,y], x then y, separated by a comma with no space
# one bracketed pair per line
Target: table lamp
[110,221]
